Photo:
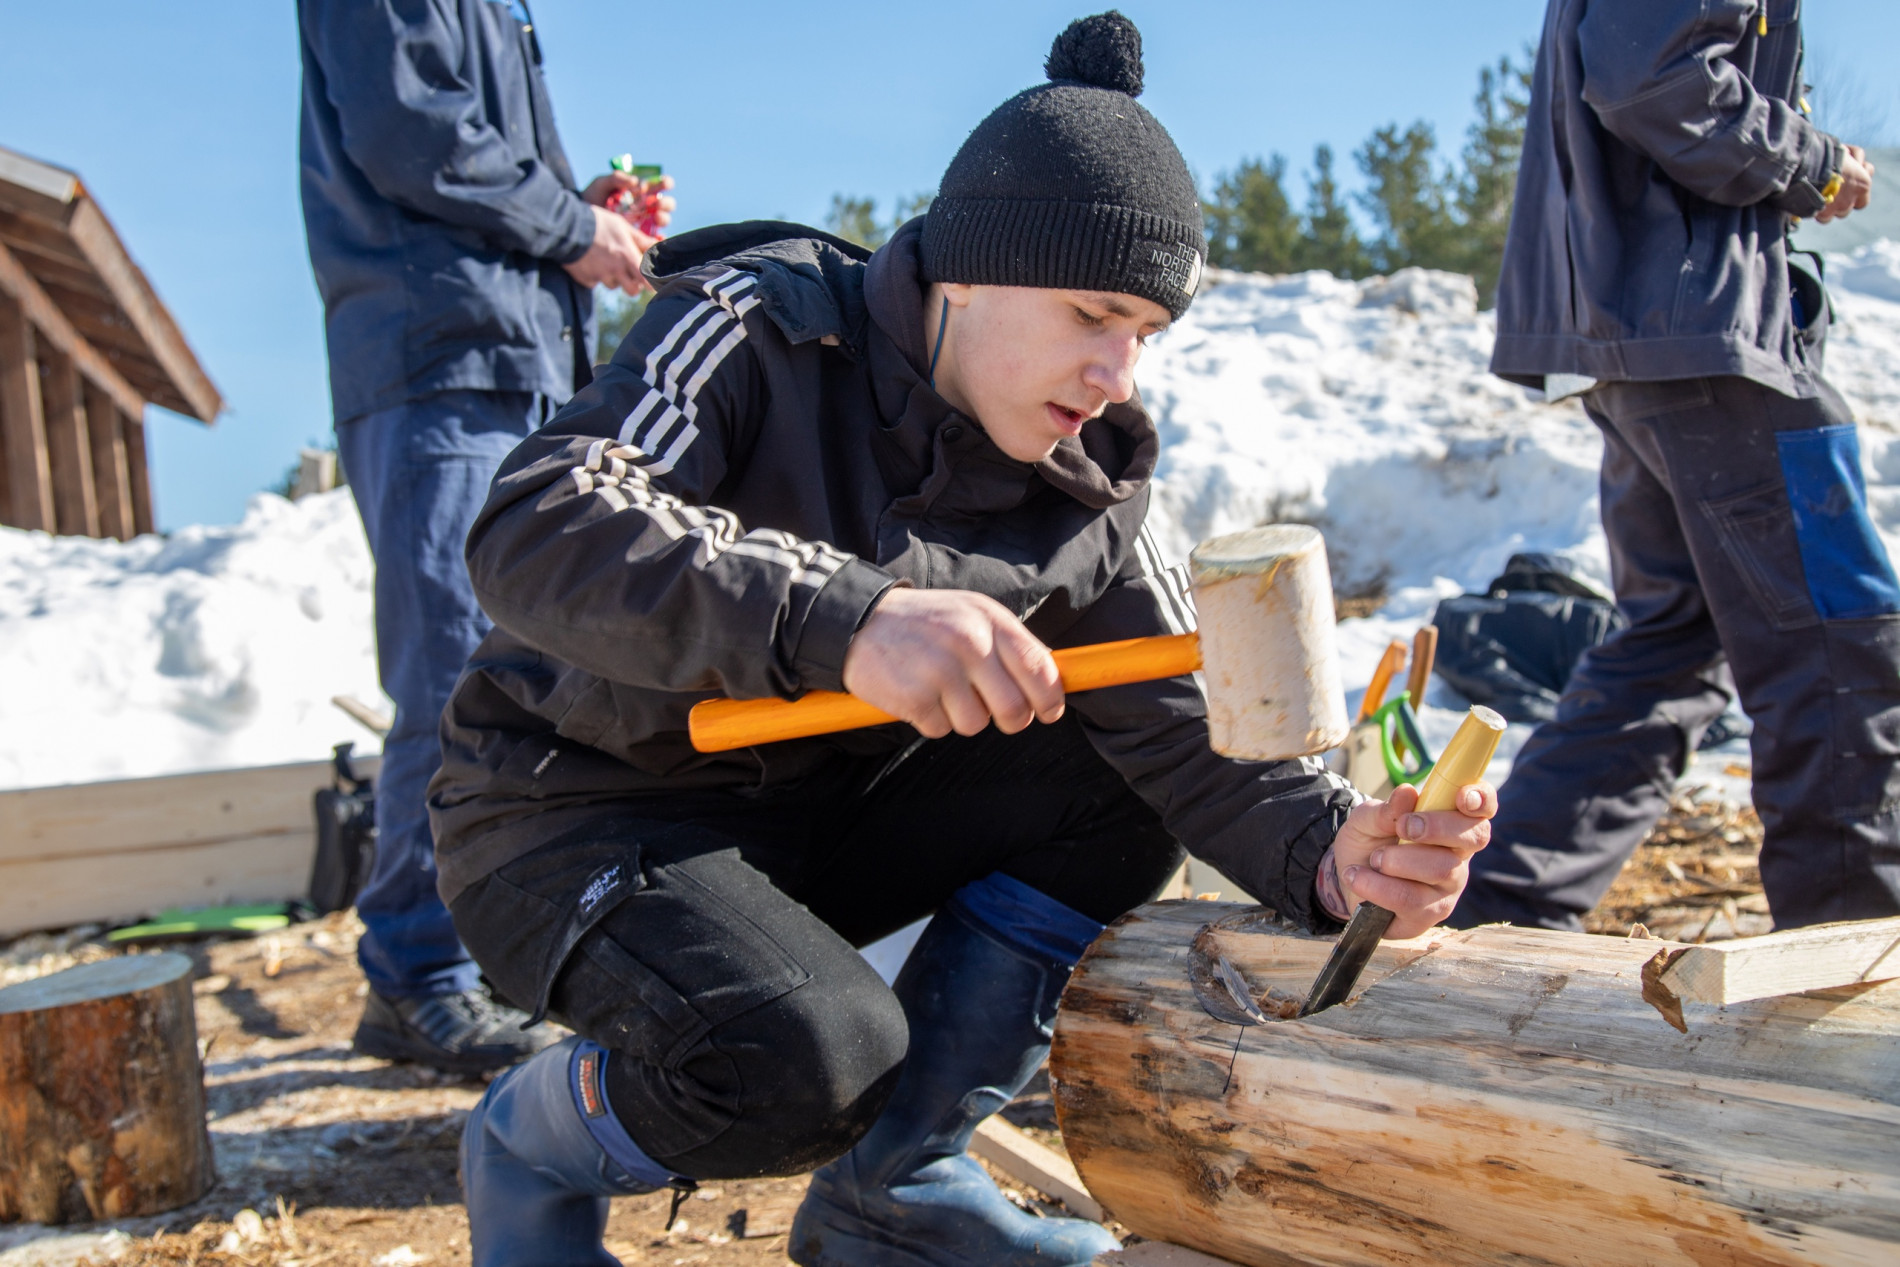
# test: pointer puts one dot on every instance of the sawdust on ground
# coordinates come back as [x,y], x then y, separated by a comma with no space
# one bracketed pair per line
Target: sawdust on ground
[329,1159]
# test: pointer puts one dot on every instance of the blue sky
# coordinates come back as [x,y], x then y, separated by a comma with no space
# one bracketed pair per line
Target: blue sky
[183,122]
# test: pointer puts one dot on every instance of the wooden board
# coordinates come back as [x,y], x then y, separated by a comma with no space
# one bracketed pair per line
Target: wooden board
[1496,1096]
[1035,1165]
[69,447]
[112,477]
[29,490]
[1158,1254]
[95,852]
[1816,958]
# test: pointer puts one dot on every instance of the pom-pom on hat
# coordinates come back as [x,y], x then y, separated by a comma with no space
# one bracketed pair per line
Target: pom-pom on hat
[1072,184]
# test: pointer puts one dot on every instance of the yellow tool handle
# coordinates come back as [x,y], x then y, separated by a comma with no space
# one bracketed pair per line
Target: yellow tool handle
[1464,760]
[720,725]
[1389,664]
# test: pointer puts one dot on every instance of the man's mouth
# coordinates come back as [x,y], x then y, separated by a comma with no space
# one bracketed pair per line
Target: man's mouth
[1068,421]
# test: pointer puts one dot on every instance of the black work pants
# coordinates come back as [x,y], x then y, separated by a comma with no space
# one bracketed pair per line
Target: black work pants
[707,938]
[1739,545]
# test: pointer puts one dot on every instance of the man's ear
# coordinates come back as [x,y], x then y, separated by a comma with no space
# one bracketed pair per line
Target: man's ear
[958,293]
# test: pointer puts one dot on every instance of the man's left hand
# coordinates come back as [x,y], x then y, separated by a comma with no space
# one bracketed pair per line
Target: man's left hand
[1415,865]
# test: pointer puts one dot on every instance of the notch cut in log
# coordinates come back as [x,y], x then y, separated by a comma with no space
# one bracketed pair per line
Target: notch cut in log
[102,1106]
[1494,1096]
[1821,957]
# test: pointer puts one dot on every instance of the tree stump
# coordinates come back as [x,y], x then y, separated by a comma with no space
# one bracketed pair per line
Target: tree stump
[1495,1096]
[102,1105]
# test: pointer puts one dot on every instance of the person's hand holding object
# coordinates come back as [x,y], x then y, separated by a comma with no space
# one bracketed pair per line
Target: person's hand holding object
[614,258]
[1415,865]
[947,660]
[1857,187]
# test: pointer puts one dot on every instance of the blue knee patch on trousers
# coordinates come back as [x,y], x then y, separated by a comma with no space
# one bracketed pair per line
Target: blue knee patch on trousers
[1027,918]
[1849,573]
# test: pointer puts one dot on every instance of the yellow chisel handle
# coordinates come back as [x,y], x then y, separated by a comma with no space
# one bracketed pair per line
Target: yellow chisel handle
[720,725]
[1464,760]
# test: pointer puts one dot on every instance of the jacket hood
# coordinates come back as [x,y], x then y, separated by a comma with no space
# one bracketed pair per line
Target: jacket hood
[1111,460]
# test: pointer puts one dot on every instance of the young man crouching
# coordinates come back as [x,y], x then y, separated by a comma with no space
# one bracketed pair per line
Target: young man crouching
[906,475]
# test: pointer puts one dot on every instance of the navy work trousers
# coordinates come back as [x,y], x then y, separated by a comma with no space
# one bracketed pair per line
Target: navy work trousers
[420,473]
[1740,545]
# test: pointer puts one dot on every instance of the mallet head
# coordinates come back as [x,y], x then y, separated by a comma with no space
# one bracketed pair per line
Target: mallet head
[1268,650]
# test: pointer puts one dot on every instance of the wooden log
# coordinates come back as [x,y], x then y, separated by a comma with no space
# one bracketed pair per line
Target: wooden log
[69,447]
[112,477]
[102,1106]
[23,423]
[1496,1096]
[139,475]
[1815,958]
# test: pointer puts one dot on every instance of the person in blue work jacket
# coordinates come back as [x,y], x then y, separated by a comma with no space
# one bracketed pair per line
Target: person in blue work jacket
[456,260]
[1668,151]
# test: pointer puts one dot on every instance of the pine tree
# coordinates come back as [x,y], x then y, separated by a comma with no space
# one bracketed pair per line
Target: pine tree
[1250,223]
[1411,201]
[1328,239]
[855,220]
[1493,148]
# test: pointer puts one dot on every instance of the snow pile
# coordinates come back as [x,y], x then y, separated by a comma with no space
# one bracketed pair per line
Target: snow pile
[1364,407]
[214,648]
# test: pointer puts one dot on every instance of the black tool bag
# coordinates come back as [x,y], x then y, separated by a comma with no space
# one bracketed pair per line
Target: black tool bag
[346,837]
[1513,647]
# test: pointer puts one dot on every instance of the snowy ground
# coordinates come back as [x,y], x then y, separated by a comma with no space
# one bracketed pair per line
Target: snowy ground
[1361,406]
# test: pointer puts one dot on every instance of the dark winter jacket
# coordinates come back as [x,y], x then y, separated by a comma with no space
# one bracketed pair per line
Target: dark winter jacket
[719,511]
[438,205]
[1665,152]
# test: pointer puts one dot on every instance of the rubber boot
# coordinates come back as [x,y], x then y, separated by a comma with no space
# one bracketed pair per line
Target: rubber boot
[541,1153]
[980,993]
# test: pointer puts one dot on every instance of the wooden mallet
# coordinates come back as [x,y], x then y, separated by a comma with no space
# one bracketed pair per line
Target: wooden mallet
[1266,649]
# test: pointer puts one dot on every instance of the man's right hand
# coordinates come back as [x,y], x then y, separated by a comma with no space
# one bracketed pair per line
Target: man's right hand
[947,660]
[1857,186]
[614,258]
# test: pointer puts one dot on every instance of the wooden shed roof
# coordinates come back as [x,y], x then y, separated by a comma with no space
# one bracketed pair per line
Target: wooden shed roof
[56,232]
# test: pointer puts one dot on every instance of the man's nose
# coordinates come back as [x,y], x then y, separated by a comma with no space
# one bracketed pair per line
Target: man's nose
[1112,370]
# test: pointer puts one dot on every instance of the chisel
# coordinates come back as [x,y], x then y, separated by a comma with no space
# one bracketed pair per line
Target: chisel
[1463,762]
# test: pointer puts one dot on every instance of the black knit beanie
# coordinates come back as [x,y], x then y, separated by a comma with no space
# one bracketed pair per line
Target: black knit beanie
[1072,184]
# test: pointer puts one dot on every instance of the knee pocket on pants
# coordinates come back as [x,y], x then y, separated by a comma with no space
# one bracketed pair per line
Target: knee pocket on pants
[1757,533]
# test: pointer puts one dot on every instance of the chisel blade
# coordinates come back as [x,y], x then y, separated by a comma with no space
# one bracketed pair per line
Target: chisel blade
[1349,958]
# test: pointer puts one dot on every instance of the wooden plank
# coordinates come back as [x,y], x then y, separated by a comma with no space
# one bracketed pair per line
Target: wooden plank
[29,472]
[1033,1165]
[86,820]
[191,390]
[1505,1097]
[112,477]
[69,446]
[1158,1254]
[138,474]
[107,888]
[1818,958]
[53,327]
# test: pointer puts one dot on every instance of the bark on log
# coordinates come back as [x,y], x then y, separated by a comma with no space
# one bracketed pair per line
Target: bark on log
[1496,1096]
[102,1106]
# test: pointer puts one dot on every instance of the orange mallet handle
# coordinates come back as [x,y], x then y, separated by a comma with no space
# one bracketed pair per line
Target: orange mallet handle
[720,725]
[1389,664]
